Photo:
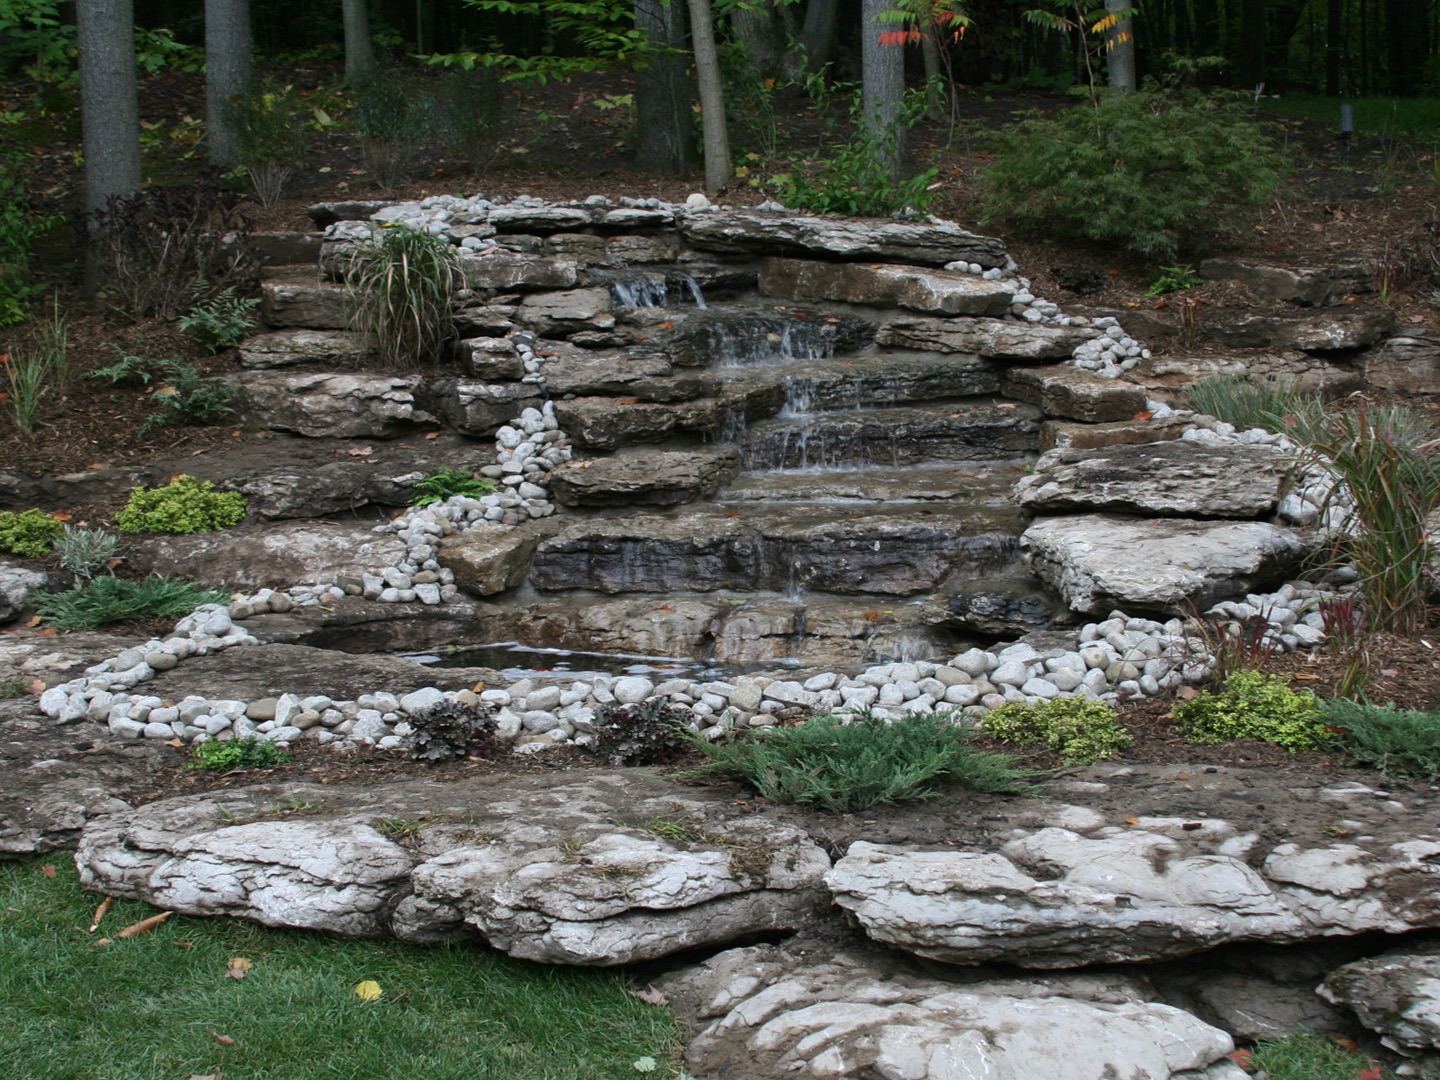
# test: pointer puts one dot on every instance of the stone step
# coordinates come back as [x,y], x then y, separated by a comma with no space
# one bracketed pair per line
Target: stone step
[779,547]
[986,484]
[977,430]
[295,296]
[872,378]
[645,477]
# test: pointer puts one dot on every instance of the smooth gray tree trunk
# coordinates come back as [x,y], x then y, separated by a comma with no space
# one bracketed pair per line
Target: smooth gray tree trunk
[109,99]
[1120,49]
[712,96]
[882,82]
[665,142]
[227,73]
[817,34]
[359,53]
[758,28]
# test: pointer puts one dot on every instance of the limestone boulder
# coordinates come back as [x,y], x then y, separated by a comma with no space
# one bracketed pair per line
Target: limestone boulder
[330,349]
[861,1015]
[1073,393]
[766,232]
[565,312]
[1396,995]
[1322,332]
[274,555]
[1173,479]
[477,408]
[298,298]
[1408,364]
[539,219]
[17,585]
[487,561]
[1100,562]
[998,339]
[322,404]
[931,292]
[645,477]
[1312,286]
[1057,434]
[498,269]
[1066,898]
[490,359]
[577,872]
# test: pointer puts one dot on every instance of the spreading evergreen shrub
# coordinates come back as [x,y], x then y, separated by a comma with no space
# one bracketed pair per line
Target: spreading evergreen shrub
[107,599]
[245,753]
[187,505]
[1252,705]
[1155,172]
[1402,743]
[1080,730]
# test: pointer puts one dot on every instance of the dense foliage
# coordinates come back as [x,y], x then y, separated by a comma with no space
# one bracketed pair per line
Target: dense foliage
[1253,705]
[186,505]
[1080,731]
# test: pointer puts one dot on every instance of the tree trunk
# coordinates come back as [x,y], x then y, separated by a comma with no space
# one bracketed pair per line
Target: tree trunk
[359,53]
[762,35]
[109,100]
[817,35]
[1252,43]
[712,97]
[1120,50]
[664,143]
[227,72]
[1334,41]
[882,88]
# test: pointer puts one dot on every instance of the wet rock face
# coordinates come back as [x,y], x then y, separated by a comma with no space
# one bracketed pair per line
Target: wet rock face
[735,338]
[867,1015]
[606,869]
[646,478]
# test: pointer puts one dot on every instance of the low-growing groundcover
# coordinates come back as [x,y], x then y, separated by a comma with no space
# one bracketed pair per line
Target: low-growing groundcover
[161,1006]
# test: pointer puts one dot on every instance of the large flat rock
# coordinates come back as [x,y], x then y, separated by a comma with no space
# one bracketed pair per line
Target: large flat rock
[931,292]
[331,404]
[1098,893]
[1173,479]
[998,339]
[1100,562]
[645,477]
[601,869]
[1396,995]
[1073,393]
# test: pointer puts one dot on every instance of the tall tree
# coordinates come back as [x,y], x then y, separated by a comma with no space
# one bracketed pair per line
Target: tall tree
[817,33]
[227,72]
[359,53]
[882,87]
[712,97]
[1120,46]
[109,99]
[664,142]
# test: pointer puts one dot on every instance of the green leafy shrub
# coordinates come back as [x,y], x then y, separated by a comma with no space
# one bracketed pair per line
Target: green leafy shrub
[468,107]
[31,533]
[1154,172]
[448,483]
[1399,742]
[1175,278]
[453,729]
[392,119]
[652,732]
[20,227]
[269,139]
[244,753]
[85,552]
[220,322]
[843,764]
[108,599]
[1081,731]
[187,505]
[400,286]
[1251,705]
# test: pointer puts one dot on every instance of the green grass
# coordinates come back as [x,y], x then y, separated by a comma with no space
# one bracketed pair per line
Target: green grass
[1418,118]
[149,1008]
[1305,1057]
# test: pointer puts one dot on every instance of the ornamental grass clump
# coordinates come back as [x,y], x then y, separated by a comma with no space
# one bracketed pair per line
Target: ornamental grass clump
[846,763]
[400,285]
[186,505]
[1080,731]
[1252,705]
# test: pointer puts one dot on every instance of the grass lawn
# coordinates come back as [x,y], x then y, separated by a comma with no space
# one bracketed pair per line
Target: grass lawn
[161,1006]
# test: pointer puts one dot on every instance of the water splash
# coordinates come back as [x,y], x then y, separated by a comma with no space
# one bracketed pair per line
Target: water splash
[654,289]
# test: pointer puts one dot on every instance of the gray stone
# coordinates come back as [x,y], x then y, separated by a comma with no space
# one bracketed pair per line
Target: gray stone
[1409,364]
[330,349]
[329,404]
[1301,285]
[1075,394]
[1396,995]
[931,292]
[998,339]
[646,477]
[486,561]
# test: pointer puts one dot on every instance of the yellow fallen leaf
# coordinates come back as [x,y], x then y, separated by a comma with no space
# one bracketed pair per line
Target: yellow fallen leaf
[144,926]
[100,913]
[238,968]
[368,990]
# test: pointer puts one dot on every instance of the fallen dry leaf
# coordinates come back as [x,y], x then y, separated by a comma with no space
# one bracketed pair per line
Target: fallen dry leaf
[36,686]
[1242,1058]
[48,870]
[1132,821]
[239,967]
[100,913]
[60,515]
[34,620]
[650,996]
[223,1040]
[432,434]
[1372,1073]
[360,451]
[369,990]
[144,926]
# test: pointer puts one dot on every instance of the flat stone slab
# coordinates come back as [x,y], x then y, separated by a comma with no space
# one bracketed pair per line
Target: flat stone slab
[330,349]
[931,292]
[1099,893]
[474,407]
[783,233]
[1060,434]
[998,339]
[1407,364]
[328,404]
[1101,562]
[1313,286]
[645,477]
[299,298]
[499,269]
[869,1015]
[600,869]
[1321,332]
[873,379]
[1173,479]
[1075,394]
[486,561]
